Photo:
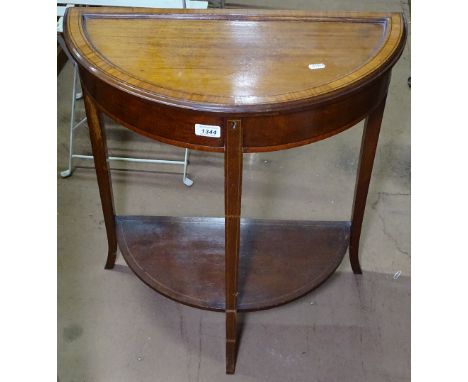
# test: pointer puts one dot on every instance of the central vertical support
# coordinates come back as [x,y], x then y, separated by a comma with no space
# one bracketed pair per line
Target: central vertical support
[232,207]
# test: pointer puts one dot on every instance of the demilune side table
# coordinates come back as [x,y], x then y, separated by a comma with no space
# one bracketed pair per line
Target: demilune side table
[235,82]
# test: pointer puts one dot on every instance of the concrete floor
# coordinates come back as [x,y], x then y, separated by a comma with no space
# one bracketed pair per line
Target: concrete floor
[111,327]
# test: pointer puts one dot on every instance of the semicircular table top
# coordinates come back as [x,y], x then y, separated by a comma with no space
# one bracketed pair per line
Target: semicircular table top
[220,61]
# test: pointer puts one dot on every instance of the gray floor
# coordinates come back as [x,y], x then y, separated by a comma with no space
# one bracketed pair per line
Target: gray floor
[113,328]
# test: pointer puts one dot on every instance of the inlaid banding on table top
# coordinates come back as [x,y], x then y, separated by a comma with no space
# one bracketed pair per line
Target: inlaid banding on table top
[311,76]
[256,59]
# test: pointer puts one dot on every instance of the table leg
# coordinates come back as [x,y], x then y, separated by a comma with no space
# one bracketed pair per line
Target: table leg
[232,199]
[370,137]
[97,135]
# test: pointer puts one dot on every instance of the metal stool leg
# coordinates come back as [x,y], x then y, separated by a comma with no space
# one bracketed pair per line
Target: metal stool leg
[188,182]
[66,173]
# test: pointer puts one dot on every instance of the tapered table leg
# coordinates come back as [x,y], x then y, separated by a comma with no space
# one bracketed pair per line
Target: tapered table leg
[370,137]
[97,135]
[232,200]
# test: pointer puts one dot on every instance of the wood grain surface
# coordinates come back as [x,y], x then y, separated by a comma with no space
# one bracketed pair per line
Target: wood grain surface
[269,80]
[97,135]
[233,165]
[279,260]
[220,60]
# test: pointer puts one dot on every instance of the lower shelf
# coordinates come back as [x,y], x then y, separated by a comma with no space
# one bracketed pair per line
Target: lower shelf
[183,258]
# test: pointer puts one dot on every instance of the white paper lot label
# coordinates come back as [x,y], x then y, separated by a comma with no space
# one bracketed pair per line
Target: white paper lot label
[320,65]
[211,131]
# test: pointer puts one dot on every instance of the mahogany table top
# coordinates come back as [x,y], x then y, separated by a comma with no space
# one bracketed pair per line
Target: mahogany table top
[234,60]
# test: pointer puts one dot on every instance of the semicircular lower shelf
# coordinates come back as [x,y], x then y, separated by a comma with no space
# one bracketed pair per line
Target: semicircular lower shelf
[279,261]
